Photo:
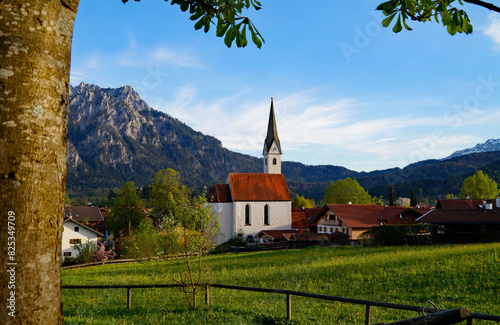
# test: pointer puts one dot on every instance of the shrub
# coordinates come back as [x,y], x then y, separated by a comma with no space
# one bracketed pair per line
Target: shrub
[398,235]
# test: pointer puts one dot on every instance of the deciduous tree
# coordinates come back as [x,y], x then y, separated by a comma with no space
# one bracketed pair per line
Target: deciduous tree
[127,211]
[301,202]
[479,186]
[35,52]
[344,191]
[166,189]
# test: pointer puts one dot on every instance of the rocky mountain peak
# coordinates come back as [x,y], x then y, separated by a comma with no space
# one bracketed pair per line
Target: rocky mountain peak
[489,145]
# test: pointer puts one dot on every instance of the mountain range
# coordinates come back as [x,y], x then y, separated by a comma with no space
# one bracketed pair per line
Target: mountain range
[114,137]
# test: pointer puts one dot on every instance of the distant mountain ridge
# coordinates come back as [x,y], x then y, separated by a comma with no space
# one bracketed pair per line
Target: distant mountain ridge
[114,137]
[489,145]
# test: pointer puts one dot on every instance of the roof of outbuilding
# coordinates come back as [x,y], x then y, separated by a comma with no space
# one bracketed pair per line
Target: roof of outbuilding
[88,214]
[472,216]
[299,220]
[219,193]
[392,212]
[463,211]
[462,204]
[258,187]
[277,234]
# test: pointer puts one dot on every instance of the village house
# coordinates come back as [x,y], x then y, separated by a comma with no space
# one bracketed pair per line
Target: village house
[348,219]
[75,233]
[251,202]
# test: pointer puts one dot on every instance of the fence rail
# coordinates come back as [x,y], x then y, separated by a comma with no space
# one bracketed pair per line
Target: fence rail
[289,293]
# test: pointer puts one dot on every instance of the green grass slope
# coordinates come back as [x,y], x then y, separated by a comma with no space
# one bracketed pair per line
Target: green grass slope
[451,276]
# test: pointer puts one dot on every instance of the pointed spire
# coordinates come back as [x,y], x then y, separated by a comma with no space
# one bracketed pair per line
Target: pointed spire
[272,131]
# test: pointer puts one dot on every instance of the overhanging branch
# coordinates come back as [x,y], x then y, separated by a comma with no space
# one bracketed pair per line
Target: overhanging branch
[486,5]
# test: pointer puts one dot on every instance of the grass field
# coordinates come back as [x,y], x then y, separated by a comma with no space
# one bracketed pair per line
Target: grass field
[450,276]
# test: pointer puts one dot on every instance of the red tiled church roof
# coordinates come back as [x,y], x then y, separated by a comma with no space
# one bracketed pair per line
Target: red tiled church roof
[258,187]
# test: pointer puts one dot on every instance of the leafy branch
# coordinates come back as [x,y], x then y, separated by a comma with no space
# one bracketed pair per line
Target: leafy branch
[442,11]
[227,14]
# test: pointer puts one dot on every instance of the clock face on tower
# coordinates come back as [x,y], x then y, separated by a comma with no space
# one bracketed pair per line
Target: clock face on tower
[274,149]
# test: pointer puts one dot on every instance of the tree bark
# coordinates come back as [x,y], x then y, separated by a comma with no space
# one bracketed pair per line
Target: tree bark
[35,56]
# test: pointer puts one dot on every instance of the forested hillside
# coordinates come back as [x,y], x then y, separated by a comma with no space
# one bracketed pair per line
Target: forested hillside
[115,137]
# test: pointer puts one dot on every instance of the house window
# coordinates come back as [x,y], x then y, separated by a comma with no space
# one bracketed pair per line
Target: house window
[266,214]
[265,161]
[75,241]
[274,161]
[247,215]
[77,229]
[320,229]
[67,254]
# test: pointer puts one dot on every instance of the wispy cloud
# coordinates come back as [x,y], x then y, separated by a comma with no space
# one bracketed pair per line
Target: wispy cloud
[176,57]
[493,29]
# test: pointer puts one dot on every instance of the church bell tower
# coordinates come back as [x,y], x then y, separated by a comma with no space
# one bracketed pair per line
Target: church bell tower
[272,148]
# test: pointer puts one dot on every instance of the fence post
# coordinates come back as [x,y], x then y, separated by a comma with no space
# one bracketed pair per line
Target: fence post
[288,306]
[207,295]
[129,297]
[368,314]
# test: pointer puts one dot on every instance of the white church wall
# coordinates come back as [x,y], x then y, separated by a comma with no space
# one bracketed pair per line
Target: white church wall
[280,216]
[224,213]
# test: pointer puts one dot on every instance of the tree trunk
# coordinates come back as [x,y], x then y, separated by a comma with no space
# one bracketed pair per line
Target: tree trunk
[35,53]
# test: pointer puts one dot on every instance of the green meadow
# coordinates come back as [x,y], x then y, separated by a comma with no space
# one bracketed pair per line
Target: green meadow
[450,276]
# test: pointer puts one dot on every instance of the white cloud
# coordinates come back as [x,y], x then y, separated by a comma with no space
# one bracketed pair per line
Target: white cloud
[493,29]
[175,57]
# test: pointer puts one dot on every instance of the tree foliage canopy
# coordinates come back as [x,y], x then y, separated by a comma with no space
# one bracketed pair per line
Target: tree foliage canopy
[447,12]
[344,191]
[302,202]
[479,186]
[127,211]
[166,187]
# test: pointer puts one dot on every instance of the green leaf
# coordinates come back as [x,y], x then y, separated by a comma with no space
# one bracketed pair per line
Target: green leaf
[199,24]
[387,21]
[184,5]
[230,36]
[256,40]
[196,16]
[398,27]
[207,24]
[221,28]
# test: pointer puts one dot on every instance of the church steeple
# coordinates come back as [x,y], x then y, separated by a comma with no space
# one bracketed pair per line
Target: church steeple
[272,147]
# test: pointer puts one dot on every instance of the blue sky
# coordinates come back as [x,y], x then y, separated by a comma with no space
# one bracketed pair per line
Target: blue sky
[346,91]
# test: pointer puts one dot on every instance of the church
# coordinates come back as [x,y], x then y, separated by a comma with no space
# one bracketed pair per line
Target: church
[251,202]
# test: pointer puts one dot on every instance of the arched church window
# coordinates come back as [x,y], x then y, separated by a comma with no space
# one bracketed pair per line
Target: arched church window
[247,214]
[274,161]
[266,214]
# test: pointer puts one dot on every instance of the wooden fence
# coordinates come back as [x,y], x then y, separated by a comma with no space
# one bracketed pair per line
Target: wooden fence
[289,293]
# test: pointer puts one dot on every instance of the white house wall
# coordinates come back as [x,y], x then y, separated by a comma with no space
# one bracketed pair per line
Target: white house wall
[69,233]
[280,216]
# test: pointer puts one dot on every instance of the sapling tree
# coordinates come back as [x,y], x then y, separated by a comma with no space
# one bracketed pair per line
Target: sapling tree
[175,246]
